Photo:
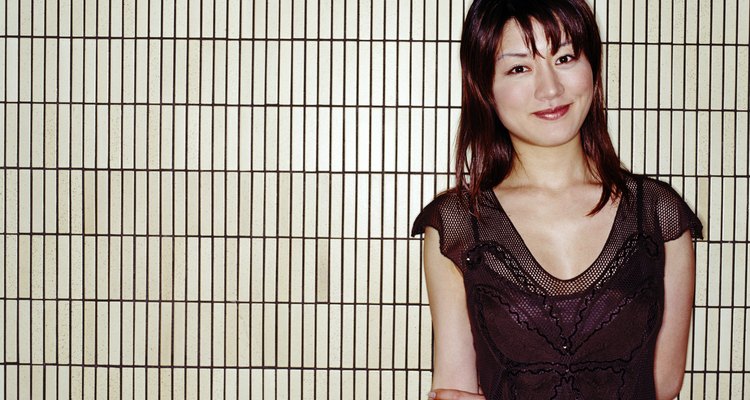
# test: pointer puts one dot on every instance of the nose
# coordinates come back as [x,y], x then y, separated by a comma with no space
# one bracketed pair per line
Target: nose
[548,85]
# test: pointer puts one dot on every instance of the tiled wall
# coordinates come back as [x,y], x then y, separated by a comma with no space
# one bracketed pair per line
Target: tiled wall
[213,198]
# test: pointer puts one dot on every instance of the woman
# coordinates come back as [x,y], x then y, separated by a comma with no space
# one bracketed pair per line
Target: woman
[552,272]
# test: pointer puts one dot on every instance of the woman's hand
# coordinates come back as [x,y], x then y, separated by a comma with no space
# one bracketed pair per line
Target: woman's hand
[452,394]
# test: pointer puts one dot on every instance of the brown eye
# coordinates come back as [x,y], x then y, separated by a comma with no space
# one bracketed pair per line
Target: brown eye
[565,59]
[517,70]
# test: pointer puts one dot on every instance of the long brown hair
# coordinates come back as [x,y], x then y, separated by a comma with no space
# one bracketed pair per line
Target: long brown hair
[484,152]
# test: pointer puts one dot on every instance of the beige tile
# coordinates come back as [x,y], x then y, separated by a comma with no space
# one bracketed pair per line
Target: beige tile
[326,252]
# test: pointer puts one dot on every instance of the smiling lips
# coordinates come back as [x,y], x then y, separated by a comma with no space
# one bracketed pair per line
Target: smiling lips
[552,114]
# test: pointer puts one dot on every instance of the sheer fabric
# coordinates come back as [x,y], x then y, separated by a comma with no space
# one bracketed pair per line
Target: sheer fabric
[540,337]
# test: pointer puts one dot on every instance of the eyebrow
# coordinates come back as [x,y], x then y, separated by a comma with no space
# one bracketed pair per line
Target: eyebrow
[512,55]
[526,54]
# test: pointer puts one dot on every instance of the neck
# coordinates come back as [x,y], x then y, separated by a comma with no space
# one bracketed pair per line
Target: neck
[551,168]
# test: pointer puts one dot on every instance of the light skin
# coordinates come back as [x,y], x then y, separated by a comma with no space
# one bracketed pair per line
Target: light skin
[543,101]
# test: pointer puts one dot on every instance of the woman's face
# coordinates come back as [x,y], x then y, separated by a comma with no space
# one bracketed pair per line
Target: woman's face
[542,100]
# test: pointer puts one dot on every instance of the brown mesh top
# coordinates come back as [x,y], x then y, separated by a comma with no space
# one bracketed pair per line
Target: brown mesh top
[540,337]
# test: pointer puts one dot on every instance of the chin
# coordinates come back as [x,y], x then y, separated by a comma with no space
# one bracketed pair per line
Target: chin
[551,140]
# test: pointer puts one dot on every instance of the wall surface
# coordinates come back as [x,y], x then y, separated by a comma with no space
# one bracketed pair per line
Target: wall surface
[213,198]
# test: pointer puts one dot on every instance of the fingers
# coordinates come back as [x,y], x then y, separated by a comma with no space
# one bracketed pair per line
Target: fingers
[452,394]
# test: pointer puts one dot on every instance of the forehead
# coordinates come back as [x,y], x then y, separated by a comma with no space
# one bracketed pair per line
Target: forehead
[513,38]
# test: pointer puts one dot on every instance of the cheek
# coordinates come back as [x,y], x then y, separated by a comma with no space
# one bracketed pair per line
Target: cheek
[510,102]
[508,97]
[583,81]
[585,86]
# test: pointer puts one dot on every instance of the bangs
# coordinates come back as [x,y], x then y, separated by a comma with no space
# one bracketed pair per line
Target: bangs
[561,23]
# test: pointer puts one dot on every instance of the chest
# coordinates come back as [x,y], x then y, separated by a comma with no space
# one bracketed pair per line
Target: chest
[560,236]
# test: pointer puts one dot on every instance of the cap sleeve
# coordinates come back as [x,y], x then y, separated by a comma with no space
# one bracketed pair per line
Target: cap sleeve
[674,215]
[429,216]
[452,222]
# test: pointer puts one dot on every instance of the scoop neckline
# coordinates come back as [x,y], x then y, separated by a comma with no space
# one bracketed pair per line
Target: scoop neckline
[536,263]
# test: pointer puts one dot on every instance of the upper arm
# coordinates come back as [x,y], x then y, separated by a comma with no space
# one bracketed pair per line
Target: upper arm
[671,344]
[454,363]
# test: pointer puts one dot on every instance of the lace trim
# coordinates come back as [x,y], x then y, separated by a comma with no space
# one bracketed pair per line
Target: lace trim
[475,258]
[562,372]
